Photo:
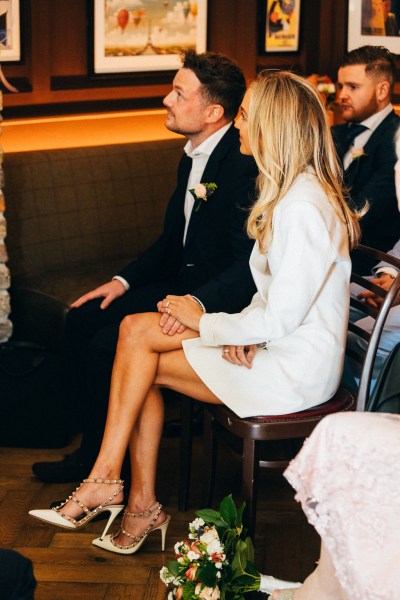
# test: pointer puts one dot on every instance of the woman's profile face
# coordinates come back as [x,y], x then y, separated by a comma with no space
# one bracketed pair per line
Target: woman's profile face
[242,125]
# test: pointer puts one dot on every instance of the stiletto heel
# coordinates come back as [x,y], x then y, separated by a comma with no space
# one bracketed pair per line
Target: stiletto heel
[163,527]
[54,516]
[107,542]
[114,512]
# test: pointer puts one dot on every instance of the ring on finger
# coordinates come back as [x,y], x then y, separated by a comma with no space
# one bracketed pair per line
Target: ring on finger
[167,304]
[169,311]
[225,351]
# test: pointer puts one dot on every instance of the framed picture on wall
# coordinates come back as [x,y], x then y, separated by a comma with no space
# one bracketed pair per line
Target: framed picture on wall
[10,35]
[282,25]
[146,35]
[375,23]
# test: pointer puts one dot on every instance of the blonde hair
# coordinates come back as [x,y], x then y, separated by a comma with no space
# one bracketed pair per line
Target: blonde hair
[288,131]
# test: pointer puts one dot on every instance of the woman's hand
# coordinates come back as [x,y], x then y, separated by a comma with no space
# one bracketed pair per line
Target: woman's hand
[184,309]
[240,355]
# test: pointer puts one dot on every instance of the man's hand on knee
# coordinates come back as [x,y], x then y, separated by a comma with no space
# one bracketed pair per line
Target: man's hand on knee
[109,291]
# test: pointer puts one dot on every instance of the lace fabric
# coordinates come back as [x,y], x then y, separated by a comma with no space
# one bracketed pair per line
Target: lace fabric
[347,478]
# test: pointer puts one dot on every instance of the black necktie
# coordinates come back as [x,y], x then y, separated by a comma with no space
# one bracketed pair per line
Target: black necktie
[353,130]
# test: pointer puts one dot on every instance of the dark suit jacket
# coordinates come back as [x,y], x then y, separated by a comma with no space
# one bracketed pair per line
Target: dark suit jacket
[371,177]
[214,263]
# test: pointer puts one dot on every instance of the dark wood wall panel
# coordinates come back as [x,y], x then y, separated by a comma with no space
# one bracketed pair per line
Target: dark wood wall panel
[54,75]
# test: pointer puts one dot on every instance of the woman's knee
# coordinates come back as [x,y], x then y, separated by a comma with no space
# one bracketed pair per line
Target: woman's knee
[137,328]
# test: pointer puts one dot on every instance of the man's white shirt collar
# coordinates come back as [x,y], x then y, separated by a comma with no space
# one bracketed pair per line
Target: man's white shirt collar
[208,146]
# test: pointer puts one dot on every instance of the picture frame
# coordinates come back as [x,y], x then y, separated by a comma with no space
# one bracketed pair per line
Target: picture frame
[10,31]
[146,35]
[281,25]
[366,26]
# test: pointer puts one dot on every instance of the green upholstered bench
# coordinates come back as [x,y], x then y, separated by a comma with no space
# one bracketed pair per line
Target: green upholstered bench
[76,216]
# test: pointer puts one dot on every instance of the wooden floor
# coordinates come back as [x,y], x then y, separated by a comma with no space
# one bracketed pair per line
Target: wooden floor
[68,567]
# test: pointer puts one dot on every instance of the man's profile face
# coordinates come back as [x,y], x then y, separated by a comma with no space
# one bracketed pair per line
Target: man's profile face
[358,93]
[185,104]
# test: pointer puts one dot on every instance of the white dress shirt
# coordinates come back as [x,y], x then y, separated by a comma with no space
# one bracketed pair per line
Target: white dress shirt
[199,156]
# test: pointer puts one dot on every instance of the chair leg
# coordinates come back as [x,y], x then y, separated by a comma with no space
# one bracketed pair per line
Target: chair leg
[249,482]
[185,450]
[210,455]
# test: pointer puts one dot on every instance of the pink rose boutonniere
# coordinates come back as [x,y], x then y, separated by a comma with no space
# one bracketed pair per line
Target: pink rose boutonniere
[357,153]
[201,192]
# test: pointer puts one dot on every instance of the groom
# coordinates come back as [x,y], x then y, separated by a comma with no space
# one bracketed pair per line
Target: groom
[203,249]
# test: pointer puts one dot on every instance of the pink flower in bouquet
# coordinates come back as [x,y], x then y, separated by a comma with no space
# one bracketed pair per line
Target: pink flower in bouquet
[191,572]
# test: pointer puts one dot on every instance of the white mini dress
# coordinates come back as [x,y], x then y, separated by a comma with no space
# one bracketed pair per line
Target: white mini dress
[299,313]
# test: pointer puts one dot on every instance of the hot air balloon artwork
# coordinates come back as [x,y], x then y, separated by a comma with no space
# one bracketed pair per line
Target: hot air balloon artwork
[146,35]
[186,9]
[122,19]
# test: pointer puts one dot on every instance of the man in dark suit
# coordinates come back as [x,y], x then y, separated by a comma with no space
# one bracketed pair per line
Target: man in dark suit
[365,143]
[203,249]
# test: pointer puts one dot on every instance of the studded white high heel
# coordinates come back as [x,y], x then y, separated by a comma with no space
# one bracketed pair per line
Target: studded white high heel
[108,543]
[54,516]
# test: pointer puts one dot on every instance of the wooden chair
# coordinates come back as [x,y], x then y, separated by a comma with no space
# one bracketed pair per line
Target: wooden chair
[253,432]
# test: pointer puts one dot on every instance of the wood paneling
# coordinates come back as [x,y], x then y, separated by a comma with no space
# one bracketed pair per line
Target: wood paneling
[55,71]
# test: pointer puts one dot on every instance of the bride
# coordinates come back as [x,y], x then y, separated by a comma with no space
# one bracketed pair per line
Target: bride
[253,361]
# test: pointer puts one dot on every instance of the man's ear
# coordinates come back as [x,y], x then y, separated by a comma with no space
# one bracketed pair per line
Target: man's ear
[383,90]
[214,112]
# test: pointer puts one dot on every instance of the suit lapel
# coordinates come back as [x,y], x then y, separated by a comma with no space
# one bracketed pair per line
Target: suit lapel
[210,175]
[352,171]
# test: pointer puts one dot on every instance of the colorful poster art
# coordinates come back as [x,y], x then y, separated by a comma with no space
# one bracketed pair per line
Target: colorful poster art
[374,22]
[282,26]
[146,35]
[10,47]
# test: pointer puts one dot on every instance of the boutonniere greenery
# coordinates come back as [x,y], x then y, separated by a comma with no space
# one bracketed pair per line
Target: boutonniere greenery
[357,153]
[201,193]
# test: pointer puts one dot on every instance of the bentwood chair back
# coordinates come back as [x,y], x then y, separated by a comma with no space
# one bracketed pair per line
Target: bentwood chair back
[252,432]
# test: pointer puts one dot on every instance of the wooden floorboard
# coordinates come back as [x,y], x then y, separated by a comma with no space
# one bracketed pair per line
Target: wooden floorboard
[68,567]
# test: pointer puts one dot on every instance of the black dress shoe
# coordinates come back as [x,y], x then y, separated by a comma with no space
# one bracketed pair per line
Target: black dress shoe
[71,468]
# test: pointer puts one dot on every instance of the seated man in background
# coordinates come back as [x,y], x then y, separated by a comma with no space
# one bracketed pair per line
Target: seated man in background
[203,249]
[365,143]
[384,275]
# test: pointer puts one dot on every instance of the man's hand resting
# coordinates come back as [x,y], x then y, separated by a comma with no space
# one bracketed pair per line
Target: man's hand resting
[109,291]
[384,281]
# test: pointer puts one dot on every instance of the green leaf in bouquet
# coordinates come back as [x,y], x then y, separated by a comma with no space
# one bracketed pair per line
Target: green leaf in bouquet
[228,510]
[250,549]
[207,574]
[208,515]
[188,590]
[174,567]
[240,559]
[239,517]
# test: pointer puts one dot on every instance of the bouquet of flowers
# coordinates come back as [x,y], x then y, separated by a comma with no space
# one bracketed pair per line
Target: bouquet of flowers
[216,561]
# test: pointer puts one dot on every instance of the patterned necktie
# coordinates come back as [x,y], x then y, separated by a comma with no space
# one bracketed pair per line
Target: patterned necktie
[354,129]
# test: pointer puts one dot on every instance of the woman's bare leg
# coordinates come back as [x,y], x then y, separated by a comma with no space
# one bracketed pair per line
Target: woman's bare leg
[144,356]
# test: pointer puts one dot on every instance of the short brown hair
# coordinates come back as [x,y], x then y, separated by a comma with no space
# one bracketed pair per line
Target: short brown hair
[222,79]
[379,62]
